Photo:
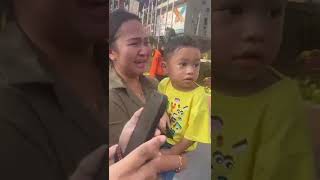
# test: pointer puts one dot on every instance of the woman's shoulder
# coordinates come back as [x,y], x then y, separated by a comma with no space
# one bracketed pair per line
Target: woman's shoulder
[151,82]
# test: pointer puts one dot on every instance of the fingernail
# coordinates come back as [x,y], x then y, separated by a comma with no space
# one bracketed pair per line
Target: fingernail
[162,138]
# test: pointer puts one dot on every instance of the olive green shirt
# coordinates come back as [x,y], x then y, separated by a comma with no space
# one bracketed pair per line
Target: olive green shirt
[123,102]
[44,129]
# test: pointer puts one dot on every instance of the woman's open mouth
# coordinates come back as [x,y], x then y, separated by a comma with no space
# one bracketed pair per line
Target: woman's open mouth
[141,64]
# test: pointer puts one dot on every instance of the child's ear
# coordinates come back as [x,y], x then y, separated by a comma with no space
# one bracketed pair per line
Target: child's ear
[164,67]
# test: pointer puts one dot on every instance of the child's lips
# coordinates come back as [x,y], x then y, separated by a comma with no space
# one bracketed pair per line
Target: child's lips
[249,59]
[188,79]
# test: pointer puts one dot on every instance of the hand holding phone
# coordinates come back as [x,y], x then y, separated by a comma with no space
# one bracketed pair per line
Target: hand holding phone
[153,110]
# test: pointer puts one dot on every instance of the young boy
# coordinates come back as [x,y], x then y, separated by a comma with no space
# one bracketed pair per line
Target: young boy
[188,107]
[259,127]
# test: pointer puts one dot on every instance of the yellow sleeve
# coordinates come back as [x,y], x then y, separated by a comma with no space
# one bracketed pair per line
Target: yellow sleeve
[162,85]
[199,129]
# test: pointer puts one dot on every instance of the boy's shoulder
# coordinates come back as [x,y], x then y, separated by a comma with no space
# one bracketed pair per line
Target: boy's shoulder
[164,81]
[283,82]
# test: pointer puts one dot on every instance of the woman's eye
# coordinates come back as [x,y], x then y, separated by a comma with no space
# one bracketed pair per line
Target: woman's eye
[134,44]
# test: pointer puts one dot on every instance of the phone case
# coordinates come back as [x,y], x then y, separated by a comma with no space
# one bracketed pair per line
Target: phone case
[154,109]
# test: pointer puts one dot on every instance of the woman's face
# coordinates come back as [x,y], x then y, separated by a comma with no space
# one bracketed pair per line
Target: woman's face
[131,50]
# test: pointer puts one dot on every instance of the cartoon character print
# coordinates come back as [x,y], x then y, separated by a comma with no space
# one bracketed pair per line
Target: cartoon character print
[176,116]
[223,163]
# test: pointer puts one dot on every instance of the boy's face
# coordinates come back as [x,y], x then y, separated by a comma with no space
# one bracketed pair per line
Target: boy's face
[183,67]
[246,36]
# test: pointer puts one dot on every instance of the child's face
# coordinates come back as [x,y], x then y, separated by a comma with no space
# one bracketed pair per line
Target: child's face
[246,36]
[183,67]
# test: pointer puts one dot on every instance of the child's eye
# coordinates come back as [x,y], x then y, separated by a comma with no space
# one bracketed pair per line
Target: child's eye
[197,65]
[183,64]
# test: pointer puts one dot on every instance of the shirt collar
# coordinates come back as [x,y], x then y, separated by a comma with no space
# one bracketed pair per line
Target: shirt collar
[19,60]
[115,82]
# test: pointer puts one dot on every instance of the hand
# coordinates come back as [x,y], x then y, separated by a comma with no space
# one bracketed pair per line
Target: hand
[145,162]
[128,130]
[164,122]
[166,152]
[90,165]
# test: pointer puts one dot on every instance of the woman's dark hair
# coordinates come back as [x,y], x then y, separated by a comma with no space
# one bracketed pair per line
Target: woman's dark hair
[178,42]
[116,19]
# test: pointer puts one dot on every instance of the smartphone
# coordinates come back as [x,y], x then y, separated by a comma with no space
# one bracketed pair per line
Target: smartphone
[155,107]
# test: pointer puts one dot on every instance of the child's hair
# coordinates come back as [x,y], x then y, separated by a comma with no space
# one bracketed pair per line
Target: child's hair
[116,19]
[176,43]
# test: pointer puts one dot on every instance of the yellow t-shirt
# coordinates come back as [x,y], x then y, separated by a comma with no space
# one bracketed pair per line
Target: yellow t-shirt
[189,114]
[263,136]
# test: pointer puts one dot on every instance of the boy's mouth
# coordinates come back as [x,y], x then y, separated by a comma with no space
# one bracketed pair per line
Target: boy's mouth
[189,79]
[249,59]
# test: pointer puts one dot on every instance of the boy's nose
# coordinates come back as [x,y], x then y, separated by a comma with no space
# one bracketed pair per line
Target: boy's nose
[191,70]
[254,30]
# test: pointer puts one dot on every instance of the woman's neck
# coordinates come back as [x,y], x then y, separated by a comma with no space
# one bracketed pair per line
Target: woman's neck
[127,78]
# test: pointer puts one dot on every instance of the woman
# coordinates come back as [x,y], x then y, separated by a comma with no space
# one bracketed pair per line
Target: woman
[129,53]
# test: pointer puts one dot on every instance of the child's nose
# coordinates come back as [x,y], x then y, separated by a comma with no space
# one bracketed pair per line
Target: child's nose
[191,70]
[254,30]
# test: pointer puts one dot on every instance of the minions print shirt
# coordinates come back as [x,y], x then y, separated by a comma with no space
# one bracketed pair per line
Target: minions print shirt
[189,114]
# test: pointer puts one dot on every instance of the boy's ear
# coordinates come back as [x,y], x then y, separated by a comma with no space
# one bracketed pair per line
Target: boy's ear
[164,67]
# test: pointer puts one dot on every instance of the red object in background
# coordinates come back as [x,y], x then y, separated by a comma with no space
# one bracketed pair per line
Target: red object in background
[156,66]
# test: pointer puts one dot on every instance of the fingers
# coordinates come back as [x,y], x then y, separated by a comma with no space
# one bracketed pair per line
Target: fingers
[161,164]
[164,122]
[143,153]
[128,129]
[91,164]
[136,116]
[112,152]
[157,133]
[147,172]
[167,163]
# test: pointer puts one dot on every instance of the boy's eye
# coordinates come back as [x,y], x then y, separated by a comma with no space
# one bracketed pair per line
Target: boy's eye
[197,65]
[183,64]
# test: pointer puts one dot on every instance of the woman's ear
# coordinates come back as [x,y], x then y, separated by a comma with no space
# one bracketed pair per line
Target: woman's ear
[112,55]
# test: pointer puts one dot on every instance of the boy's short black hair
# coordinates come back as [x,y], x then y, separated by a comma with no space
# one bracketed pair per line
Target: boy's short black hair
[178,42]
